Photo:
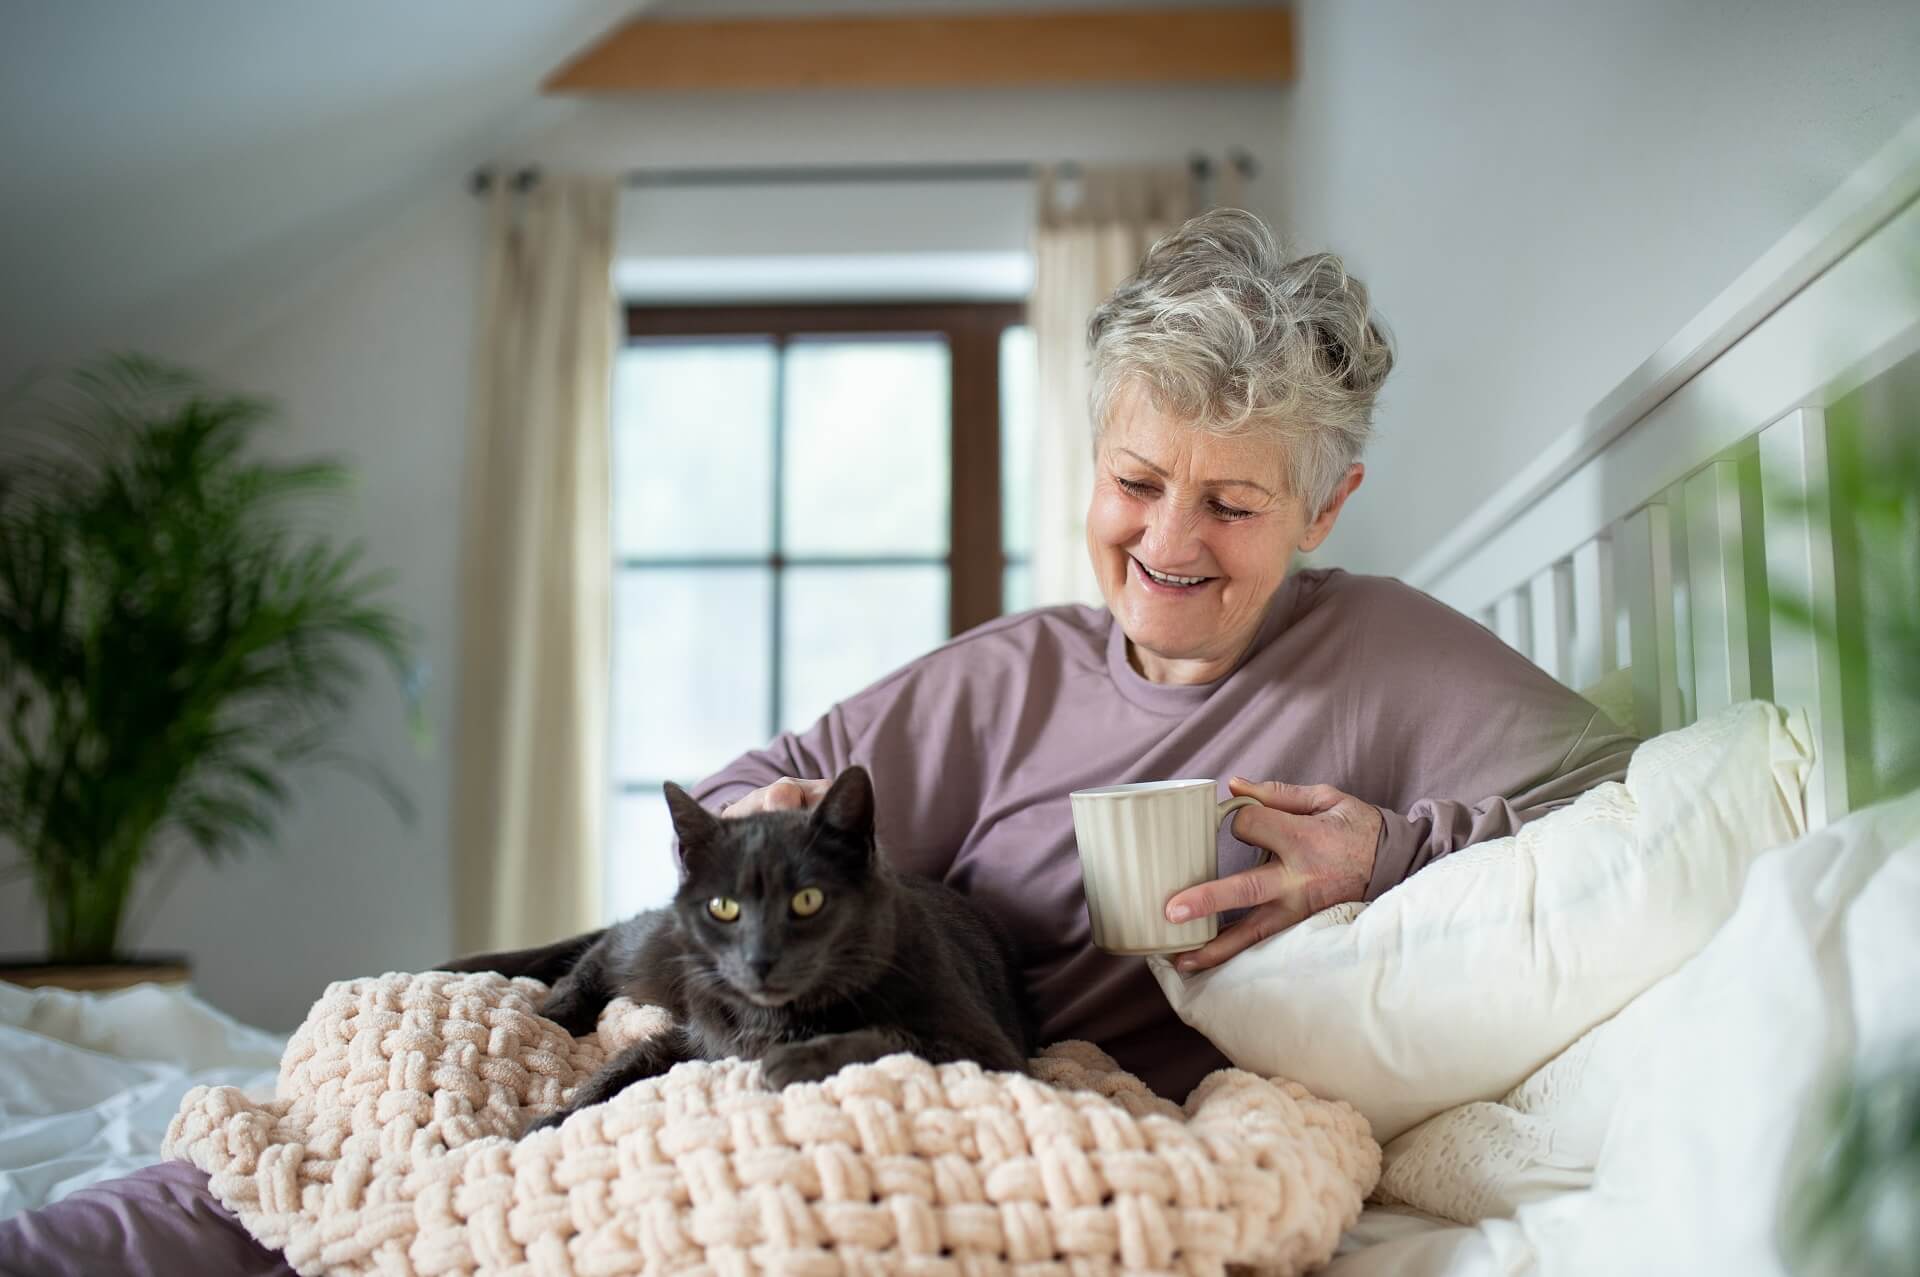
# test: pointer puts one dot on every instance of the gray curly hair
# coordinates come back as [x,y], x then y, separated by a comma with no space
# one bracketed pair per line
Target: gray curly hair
[1225,333]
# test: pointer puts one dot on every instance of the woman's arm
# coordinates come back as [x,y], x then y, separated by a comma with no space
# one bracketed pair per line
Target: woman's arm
[913,730]
[758,780]
[1328,847]
[1444,737]
[1435,827]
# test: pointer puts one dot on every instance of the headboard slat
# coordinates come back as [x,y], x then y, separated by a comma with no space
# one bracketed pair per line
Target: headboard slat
[1645,570]
[1594,651]
[1717,588]
[1550,596]
[1800,571]
[1513,621]
[1685,671]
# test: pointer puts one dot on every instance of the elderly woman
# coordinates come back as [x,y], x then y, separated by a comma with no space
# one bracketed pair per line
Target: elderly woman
[1233,392]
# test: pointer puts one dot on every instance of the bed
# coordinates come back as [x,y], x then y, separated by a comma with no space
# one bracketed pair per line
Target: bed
[1634,559]
[91,1081]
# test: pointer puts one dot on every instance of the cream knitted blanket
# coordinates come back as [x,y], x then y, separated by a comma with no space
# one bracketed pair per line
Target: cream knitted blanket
[389,1149]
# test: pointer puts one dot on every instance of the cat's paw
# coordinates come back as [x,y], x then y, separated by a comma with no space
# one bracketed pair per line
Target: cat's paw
[550,1120]
[577,1019]
[799,1062]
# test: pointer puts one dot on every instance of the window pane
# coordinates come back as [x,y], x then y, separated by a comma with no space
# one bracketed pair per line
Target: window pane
[1016,588]
[1019,407]
[866,447]
[690,669]
[693,448]
[638,870]
[846,627]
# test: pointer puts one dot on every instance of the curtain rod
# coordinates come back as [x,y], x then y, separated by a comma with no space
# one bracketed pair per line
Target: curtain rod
[1201,165]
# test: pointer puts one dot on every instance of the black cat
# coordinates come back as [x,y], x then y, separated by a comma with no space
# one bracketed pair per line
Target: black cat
[792,942]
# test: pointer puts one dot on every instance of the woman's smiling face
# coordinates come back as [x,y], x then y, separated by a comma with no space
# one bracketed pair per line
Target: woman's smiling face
[1191,534]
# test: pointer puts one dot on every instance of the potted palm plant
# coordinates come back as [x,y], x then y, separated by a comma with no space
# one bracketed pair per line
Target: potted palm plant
[176,634]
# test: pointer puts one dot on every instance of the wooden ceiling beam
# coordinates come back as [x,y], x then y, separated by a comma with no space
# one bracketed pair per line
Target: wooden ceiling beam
[935,51]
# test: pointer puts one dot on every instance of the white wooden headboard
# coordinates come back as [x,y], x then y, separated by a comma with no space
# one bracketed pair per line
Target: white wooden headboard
[1651,535]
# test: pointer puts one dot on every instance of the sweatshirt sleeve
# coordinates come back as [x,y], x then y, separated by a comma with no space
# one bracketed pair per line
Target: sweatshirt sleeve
[916,731]
[819,753]
[1434,827]
[1453,735]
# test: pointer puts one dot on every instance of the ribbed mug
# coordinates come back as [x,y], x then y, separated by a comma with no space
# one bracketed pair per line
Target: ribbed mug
[1139,845]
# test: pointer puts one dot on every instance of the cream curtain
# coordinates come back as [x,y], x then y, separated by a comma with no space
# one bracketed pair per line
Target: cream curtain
[1091,235]
[530,765]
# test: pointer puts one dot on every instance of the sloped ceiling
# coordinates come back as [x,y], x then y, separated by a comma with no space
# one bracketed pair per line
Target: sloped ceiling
[171,171]
[158,159]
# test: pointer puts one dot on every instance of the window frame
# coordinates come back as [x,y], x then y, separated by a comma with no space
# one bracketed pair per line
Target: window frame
[975,556]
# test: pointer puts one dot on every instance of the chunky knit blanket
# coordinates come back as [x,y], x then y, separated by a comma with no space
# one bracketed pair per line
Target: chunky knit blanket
[389,1149]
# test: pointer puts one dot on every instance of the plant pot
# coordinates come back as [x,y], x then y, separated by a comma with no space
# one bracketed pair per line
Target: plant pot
[169,970]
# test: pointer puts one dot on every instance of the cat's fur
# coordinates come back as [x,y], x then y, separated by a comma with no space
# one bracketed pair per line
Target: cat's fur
[890,962]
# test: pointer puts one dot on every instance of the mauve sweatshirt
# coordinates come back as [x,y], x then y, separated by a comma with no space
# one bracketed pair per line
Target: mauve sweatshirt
[1358,682]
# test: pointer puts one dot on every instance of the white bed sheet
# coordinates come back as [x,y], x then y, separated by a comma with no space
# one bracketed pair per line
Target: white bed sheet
[1398,1241]
[89,1083]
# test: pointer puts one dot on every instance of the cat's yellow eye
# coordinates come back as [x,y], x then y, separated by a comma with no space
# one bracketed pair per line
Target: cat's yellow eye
[724,909]
[807,901]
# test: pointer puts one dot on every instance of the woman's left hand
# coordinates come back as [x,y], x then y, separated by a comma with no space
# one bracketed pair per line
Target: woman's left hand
[1322,843]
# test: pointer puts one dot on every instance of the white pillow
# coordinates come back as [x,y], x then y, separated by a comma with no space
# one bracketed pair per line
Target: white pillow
[1679,1109]
[1465,979]
[1718,1066]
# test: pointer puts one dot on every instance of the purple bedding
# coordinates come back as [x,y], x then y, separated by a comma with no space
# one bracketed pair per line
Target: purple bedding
[158,1222]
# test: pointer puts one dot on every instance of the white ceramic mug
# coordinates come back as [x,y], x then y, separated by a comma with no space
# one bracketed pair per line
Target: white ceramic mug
[1139,845]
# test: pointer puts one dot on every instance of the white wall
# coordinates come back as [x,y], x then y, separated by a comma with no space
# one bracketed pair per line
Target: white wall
[1539,195]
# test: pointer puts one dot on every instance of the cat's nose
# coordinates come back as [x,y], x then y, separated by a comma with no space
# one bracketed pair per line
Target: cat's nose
[760,966]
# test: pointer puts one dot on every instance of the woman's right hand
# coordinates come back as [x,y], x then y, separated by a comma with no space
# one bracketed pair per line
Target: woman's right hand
[785,794]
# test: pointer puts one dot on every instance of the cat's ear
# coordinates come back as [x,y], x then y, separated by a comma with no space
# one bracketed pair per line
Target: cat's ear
[847,807]
[694,824]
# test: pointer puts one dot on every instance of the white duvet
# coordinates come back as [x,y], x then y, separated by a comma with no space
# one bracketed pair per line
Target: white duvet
[1658,1142]
[88,1084]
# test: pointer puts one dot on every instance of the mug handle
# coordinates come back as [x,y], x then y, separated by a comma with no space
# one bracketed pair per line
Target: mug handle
[1226,807]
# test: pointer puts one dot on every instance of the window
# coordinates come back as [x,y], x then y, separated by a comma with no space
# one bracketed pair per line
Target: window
[804,498]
